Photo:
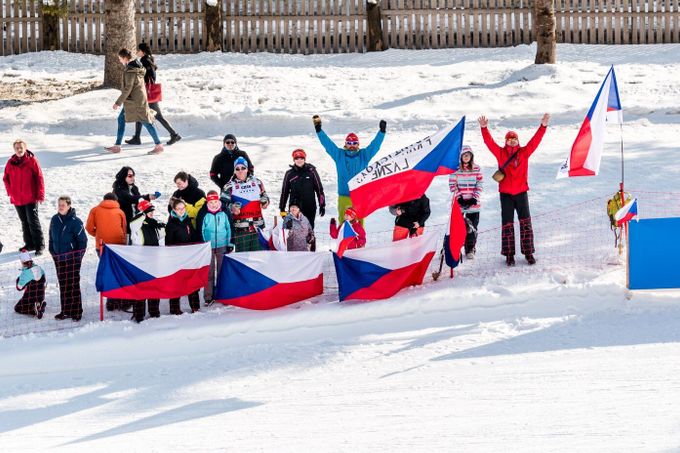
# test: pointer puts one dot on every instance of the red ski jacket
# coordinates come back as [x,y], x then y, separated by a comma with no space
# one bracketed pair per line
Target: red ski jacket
[24,180]
[517,171]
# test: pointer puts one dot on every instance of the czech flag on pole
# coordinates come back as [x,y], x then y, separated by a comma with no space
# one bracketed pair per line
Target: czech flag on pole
[586,152]
[137,272]
[266,280]
[627,212]
[345,237]
[407,173]
[380,272]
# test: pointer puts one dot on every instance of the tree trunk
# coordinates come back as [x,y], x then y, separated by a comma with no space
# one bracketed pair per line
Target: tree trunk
[546,40]
[119,20]
[374,41]
[50,24]
[213,28]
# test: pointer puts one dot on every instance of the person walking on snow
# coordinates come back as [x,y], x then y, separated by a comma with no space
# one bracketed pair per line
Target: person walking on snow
[514,187]
[245,196]
[149,63]
[145,230]
[133,100]
[411,217]
[25,186]
[213,225]
[350,216]
[466,185]
[350,159]
[222,168]
[303,186]
[300,232]
[32,282]
[67,244]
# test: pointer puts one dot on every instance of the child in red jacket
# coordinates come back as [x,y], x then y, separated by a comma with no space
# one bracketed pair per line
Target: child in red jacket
[354,241]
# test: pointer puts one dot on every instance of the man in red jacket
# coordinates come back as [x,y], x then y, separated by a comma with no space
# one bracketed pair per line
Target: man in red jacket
[514,160]
[26,188]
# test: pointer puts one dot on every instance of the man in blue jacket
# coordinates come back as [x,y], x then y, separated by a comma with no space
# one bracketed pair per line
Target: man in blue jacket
[349,160]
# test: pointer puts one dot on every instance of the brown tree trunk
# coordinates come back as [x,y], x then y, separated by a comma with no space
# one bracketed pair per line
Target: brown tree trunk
[375,40]
[50,30]
[546,40]
[119,20]
[212,28]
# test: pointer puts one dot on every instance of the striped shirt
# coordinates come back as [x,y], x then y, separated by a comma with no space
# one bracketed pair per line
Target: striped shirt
[468,184]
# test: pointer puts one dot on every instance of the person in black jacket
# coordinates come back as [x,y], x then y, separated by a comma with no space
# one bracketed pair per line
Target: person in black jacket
[147,60]
[128,194]
[222,168]
[67,244]
[411,217]
[303,185]
[187,190]
[179,230]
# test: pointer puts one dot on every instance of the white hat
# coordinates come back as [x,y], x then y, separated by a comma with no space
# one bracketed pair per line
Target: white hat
[25,257]
[466,149]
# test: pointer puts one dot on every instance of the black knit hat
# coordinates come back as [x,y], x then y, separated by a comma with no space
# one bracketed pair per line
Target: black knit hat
[229,137]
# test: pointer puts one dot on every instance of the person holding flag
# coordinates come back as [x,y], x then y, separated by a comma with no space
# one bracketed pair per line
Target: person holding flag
[466,185]
[350,159]
[513,162]
[351,232]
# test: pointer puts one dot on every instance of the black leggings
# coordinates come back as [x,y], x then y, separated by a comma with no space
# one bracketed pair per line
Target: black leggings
[159,117]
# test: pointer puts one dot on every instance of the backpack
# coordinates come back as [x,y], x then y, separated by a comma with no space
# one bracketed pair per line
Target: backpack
[613,206]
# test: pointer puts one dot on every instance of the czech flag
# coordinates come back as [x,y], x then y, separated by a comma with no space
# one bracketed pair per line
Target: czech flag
[380,272]
[137,272]
[586,152]
[345,237]
[454,239]
[627,212]
[406,174]
[266,280]
[272,238]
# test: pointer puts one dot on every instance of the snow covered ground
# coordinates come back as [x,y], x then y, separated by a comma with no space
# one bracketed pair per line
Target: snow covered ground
[558,357]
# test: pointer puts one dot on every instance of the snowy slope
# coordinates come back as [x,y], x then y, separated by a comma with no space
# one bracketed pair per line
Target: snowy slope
[556,357]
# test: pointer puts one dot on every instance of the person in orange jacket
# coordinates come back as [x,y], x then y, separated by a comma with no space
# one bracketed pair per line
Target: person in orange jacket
[106,222]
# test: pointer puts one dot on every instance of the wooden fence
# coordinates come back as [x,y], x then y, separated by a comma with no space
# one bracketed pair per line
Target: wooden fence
[333,26]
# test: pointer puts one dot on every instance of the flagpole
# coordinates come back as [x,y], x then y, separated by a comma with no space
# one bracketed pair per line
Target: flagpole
[624,228]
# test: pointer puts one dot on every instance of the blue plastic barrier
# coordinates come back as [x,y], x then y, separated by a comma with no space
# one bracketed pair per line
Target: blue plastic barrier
[654,253]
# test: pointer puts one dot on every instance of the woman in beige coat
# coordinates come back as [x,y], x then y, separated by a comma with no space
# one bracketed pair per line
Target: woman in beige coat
[134,102]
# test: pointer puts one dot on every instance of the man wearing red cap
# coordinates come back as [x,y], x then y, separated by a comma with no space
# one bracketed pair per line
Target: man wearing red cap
[513,160]
[303,185]
[350,159]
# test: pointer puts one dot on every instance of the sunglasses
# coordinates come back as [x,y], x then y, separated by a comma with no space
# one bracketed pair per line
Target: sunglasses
[299,158]
[130,175]
[240,168]
[351,143]
[230,142]
[511,138]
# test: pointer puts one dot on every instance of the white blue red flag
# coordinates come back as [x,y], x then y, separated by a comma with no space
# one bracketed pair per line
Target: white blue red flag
[586,152]
[266,280]
[346,235]
[628,212]
[380,272]
[454,238]
[137,272]
[273,238]
[407,173]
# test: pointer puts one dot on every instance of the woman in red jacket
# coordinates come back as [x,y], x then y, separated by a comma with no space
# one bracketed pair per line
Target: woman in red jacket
[26,188]
[514,187]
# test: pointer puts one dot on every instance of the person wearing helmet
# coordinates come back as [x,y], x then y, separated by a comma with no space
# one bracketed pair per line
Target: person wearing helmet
[513,159]
[350,159]
[466,185]
[303,186]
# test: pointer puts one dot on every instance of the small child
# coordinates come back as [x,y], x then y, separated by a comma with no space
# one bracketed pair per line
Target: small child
[32,282]
[356,240]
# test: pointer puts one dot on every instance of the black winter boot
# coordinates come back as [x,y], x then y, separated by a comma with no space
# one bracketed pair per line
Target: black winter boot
[134,141]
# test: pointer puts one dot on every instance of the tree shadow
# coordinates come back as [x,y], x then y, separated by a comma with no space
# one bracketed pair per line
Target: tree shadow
[193,411]
[598,330]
